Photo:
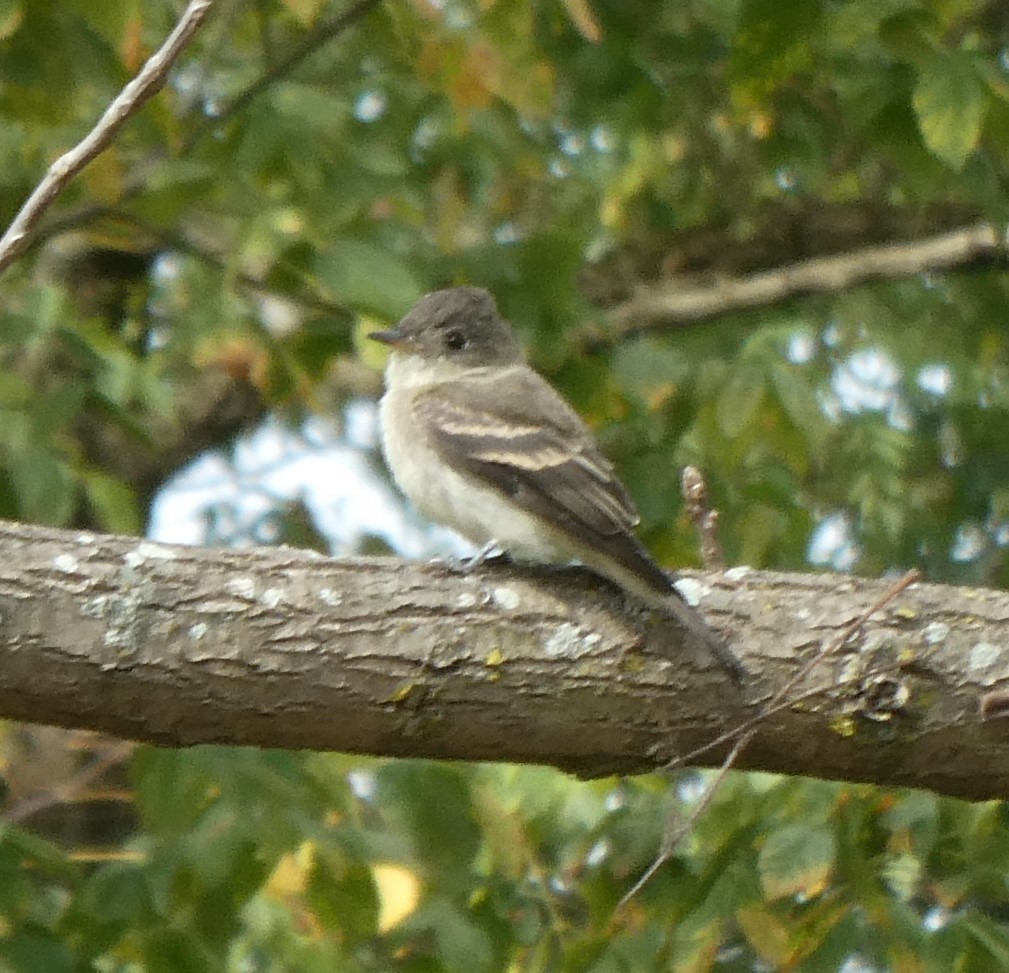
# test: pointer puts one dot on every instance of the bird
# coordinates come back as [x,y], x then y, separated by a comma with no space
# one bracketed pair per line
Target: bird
[480,442]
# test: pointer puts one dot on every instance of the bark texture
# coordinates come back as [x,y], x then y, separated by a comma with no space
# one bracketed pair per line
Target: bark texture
[284,648]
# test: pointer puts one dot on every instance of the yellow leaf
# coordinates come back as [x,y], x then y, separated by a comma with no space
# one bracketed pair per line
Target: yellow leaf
[398,894]
[581,17]
[304,10]
[290,874]
[766,934]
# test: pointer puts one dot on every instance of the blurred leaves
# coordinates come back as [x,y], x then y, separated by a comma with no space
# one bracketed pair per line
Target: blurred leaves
[796,861]
[950,101]
[566,155]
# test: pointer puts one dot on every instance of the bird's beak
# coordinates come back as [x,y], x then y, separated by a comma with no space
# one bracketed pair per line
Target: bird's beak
[394,338]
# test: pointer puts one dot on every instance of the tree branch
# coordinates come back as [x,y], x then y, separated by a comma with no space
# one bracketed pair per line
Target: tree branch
[128,102]
[671,304]
[283,648]
[135,182]
[318,38]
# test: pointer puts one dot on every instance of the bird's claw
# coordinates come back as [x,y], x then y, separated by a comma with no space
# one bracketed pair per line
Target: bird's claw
[490,553]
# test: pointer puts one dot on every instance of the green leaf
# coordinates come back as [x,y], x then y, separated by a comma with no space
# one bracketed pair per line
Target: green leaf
[56,410]
[11,16]
[949,102]
[906,34]
[992,938]
[462,945]
[740,399]
[114,503]
[15,391]
[796,860]
[116,893]
[365,277]
[343,896]
[32,850]
[774,40]
[797,397]
[172,788]
[44,487]
[34,952]
[649,370]
[431,802]
[108,18]
[766,933]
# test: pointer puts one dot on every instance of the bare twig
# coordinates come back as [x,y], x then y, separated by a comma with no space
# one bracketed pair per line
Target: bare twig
[135,182]
[320,36]
[704,519]
[109,755]
[744,733]
[781,698]
[671,304]
[672,837]
[147,83]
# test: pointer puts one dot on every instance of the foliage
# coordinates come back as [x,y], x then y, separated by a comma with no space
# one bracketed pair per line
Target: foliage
[563,154]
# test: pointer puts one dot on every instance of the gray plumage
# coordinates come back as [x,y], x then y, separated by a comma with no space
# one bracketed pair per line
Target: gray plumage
[482,443]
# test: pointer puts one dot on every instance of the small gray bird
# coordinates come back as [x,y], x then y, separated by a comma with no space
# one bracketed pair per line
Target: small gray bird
[480,442]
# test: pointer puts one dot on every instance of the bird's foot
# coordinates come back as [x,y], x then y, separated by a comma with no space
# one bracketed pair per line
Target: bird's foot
[489,554]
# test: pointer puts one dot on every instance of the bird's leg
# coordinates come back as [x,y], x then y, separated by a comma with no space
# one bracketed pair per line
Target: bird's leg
[490,553]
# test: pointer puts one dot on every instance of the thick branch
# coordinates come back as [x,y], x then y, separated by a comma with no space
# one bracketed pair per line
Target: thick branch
[671,303]
[282,648]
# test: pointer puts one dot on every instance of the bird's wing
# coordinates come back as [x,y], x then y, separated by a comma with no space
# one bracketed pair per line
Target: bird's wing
[519,436]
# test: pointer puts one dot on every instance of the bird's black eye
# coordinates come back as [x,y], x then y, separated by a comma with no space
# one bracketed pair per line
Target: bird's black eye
[455,340]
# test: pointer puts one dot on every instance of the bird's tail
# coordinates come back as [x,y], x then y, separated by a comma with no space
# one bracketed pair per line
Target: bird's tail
[696,625]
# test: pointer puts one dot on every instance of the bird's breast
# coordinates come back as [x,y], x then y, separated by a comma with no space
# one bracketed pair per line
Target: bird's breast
[476,510]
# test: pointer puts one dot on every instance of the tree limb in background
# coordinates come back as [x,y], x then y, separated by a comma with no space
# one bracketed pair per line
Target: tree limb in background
[148,82]
[134,182]
[283,648]
[672,304]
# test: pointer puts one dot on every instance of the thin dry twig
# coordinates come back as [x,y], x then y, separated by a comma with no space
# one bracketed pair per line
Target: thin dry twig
[318,37]
[703,517]
[672,838]
[781,698]
[107,757]
[134,183]
[743,733]
[148,82]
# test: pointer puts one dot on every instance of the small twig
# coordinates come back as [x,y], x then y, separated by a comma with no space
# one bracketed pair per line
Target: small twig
[671,839]
[780,700]
[147,83]
[743,733]
[320,36]
[107,757]
[704,519]
[135,182]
